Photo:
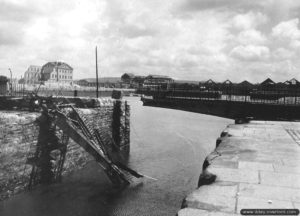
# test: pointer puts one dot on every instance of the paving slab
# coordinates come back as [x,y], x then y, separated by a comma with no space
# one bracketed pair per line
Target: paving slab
[257,166]
[296,205]
[280,179]
[269,192]
[234,175]
[292,162]
[226,163]
[286,169]
[205,197]
[199,212]
[250,203]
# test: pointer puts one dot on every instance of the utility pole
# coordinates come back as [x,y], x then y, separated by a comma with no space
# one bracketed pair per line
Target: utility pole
[10,81]
[56,68]
[97,87]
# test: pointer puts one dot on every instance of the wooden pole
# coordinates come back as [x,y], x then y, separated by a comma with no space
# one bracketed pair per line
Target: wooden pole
[10,82]
[97,87]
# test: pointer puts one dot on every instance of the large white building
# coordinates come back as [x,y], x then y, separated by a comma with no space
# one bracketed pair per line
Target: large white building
[32,74]
[61,72]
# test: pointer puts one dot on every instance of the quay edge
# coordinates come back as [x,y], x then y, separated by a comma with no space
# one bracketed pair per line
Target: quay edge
[254,165]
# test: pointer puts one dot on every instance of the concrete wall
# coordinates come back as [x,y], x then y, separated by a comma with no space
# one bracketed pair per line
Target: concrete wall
[230,109]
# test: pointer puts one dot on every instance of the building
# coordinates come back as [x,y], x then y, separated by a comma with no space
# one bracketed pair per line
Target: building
[209,82]
[138,81]
[268,82]
[227,83]
[157,80]
[127,78]
[57,72]
[293,82]
[245,84]
[32,75]
[107,82]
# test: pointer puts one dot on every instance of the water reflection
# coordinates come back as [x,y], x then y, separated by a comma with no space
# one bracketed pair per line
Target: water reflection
[168,145]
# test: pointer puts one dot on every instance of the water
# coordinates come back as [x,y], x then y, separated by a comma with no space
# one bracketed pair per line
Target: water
[168,145]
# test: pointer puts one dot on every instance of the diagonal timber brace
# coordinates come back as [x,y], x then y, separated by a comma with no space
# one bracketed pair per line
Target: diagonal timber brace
[115,174]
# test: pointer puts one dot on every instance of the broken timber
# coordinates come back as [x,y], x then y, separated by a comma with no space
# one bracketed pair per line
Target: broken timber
[113,172]
[75,126]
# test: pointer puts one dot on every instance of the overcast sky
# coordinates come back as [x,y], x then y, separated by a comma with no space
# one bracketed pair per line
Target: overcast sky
[185,39]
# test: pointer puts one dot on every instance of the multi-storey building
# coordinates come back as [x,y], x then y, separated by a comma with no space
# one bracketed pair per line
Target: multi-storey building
[57,72]
[157,80]
[32,74]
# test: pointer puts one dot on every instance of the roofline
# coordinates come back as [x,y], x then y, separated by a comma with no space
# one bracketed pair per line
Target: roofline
[55,62]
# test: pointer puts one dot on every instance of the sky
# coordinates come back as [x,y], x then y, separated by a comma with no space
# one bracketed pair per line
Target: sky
[184,39]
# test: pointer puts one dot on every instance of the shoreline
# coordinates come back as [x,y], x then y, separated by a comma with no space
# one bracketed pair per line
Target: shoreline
[254,165]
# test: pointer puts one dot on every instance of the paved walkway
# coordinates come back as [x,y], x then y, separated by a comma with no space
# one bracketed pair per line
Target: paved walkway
[257,166]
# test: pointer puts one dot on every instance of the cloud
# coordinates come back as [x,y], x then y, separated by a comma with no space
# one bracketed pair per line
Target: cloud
[186,39]
[251,36]
[287,30]
[250,53]
[17,12]
[132,31]
[13,18]
[10,34]
[200,5]
[249,20]
[287,34]
[283,54]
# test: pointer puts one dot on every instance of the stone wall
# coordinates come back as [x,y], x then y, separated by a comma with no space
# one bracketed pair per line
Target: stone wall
[18,138]
[14,149]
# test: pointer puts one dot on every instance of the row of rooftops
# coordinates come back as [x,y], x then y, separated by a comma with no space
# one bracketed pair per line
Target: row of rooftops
[131,75]
[267,82]
[58,64]
[139,78]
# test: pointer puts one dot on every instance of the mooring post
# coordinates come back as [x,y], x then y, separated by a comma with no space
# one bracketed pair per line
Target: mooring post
[127,128]
[45,138]
[116,123]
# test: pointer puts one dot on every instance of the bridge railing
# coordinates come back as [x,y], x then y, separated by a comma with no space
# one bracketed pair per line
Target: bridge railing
[288,95]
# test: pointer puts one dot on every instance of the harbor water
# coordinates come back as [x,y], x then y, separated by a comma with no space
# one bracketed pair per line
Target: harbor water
[167,145]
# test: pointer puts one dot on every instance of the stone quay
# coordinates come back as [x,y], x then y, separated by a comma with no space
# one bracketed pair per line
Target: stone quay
[255,165]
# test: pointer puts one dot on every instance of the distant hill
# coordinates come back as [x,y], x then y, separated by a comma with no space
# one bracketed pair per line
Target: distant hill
[102,80]
[187,81]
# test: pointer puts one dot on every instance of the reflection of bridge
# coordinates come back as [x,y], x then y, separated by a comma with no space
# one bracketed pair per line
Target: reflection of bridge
[269,104]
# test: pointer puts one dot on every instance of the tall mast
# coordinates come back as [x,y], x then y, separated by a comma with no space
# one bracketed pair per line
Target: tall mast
[97,88]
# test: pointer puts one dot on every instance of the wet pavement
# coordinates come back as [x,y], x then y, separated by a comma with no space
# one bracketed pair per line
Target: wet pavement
[168,145]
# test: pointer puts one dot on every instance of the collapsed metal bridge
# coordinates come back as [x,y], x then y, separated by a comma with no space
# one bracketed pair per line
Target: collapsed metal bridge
[59,123]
